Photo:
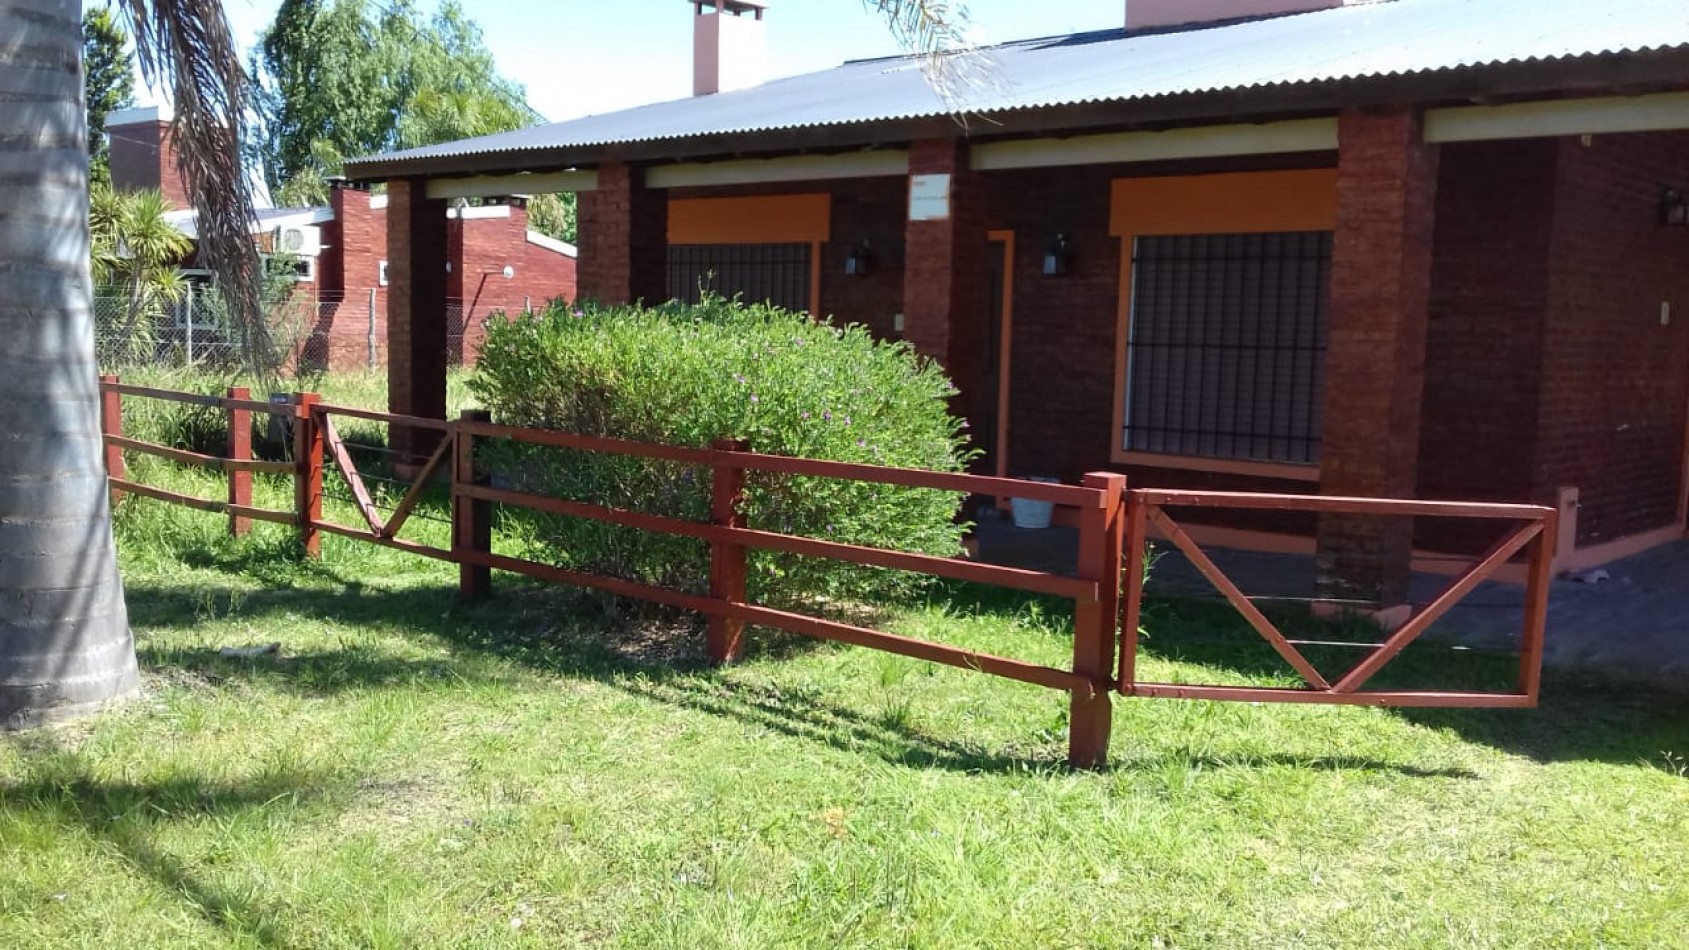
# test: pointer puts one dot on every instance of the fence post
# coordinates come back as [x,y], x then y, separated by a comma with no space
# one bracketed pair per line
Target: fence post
[307,471]
[1101,537]
[190,309]
[240,450]
[1541,576]
[472,518]
[1136,517]
[727,560]
[111,424]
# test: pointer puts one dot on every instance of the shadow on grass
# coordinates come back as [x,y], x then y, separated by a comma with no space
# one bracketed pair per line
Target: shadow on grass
[120,817]
[320,673]
[1581,717]
[563,633]
[805,716]
[1202,761]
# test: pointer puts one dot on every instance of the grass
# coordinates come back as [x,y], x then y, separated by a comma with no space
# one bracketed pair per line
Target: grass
[545,769]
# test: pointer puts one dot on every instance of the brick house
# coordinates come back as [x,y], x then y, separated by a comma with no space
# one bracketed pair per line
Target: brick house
[1397,248]
[496,263]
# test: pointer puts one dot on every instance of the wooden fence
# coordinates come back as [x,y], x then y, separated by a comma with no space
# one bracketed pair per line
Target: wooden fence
[1107,591]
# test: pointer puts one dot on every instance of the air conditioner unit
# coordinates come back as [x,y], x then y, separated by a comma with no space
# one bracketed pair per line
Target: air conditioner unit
[304,241]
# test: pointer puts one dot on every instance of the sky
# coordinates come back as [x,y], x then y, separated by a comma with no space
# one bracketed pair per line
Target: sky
[582,57]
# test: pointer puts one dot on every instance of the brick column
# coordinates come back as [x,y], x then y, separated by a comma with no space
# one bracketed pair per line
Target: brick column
[944,292]
[416,310]
[623,238]
[1375,361]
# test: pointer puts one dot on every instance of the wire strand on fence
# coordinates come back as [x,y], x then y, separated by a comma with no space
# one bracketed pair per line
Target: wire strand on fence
[194,333]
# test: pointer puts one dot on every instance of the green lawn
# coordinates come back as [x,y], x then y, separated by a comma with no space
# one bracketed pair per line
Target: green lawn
[544,769]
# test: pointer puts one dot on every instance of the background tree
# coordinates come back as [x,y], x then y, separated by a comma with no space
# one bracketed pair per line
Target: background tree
[449,80]
[109,80]
[553,215]
[320,79]
[338,78]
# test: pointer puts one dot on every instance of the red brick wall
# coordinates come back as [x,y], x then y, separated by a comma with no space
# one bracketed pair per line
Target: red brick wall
[1061,414]
[944,267]
[481,248]
[623,230]
[354,245]
[1483,350]
[416,328]
[871,209]
[1380,289]
[1489,291]
[1615,382]
[1375,355]
[143,156]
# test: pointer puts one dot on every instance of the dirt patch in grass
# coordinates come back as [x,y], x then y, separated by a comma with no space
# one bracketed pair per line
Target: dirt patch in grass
[383,804]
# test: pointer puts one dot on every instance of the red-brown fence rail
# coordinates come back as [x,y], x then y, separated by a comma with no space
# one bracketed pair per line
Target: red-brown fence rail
[238,462]
[1112,538]
[1528,528]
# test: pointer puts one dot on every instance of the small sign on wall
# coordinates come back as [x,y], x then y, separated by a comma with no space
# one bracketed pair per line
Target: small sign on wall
[929,197]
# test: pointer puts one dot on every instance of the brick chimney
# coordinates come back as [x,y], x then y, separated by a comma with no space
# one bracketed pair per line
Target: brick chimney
[143,153]
[1150,14]
[727,45]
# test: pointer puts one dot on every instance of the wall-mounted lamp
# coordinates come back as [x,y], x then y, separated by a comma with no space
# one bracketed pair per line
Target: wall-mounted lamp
[860,260]
[1057,257]
[1674,209]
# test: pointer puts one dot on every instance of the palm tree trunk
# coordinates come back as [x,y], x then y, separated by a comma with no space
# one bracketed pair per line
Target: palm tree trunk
[65,645]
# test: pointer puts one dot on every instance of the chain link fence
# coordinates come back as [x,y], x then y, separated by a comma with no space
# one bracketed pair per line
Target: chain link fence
[310,335]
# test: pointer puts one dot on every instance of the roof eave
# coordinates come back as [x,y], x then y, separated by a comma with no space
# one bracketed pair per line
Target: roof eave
[1637,72]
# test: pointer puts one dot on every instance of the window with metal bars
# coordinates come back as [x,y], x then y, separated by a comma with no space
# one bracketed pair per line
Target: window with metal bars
[1226,345]
[773,273]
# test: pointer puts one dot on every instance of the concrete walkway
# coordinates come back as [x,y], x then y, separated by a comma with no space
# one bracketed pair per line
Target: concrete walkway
[1635,624]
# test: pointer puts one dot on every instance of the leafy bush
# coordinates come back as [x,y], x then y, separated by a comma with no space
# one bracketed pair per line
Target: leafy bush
[690,375]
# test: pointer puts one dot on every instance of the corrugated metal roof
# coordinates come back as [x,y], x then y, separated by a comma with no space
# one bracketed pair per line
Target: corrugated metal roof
[1382,39]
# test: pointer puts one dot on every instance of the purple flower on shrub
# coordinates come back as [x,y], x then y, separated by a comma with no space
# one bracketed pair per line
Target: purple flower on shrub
[804,415]
[861,443]
[738,377]
[754,398]
[847,420]
[827,414]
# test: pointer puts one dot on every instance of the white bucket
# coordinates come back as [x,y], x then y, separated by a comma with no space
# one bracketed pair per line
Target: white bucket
[1033,514]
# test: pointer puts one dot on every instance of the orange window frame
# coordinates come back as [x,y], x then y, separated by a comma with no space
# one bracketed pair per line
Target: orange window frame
[1235,203]
[758,219]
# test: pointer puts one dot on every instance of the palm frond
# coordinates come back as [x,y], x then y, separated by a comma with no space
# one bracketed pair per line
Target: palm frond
[186,46]
[938,32]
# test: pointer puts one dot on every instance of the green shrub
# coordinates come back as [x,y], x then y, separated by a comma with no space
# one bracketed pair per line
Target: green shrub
[690,375]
